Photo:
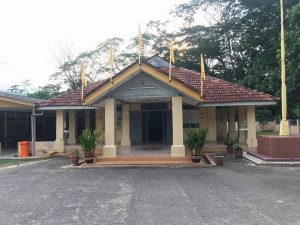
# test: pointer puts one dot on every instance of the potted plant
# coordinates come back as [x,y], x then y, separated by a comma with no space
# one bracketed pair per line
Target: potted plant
[238,151]
[218,158]
[195,141]
[75,158]
[229,143]
[88,142]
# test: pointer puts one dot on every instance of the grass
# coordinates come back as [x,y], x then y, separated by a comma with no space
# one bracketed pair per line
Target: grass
[259,133]
[9,162]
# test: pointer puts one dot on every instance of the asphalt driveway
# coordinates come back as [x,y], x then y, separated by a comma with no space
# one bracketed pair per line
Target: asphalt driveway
[237,193]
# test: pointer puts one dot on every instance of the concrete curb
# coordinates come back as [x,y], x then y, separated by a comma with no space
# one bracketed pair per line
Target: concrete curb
[259,161]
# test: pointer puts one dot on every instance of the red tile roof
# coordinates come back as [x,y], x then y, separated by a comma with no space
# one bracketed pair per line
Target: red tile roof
[215,90]
[72,98]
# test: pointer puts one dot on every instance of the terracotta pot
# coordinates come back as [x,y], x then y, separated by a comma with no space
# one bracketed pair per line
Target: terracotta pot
[229,149]
[196,158]
[238,154]
[74,160]
[218,160]
[89,159]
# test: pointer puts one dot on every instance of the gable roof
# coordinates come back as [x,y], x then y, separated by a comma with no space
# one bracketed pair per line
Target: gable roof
[216,91]
[19,99]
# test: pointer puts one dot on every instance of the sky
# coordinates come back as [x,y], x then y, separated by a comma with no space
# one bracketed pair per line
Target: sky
[33,31]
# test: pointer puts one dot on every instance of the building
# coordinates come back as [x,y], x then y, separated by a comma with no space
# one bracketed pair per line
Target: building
[141,106]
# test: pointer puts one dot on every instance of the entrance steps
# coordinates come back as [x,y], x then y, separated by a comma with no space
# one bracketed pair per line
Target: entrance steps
[150,160]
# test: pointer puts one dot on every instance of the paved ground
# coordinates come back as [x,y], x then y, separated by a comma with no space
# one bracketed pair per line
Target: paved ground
[238,193]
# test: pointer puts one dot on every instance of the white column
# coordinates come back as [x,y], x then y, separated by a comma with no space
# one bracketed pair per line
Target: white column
[110,150]
[177,149]
[212,124]
[59,142]
[242,124]
[72,127]
[100,122]
[224,122]
[232,130]
[87,119]
[251,125]
[125,126]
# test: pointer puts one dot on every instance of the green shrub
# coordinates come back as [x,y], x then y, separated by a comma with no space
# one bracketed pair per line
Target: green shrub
[237,148]
[196,139]
[88,140]
[229,142]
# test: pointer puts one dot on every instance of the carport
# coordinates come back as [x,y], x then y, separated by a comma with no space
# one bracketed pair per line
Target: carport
[16,121]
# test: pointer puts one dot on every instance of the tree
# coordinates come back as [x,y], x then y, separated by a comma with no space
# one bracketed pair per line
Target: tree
[46,92]
[96,61]
[42,92]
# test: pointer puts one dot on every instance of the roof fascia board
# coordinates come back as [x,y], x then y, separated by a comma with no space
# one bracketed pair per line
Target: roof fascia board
[94,96]
[17,101]
[257,103]
[66,107]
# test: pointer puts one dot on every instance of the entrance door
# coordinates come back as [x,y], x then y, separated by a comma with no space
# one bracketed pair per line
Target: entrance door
[136,127]
[155,126]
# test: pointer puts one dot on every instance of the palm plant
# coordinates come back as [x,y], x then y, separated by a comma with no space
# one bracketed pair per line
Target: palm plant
[196,139]
[88,141]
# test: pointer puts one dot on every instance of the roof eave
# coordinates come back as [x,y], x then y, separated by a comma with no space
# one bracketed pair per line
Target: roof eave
[248,103]
[66,107]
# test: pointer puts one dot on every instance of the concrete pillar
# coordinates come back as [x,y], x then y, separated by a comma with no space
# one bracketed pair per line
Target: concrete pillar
[125,126]
[60,121]
[242,124]
[251,125]
[298,127]
[204,117]
[110,150]
[177,149]
[219,123]
[224,122]
[100,122]
[212,124]
[231,124]
[87,119]
[72,127]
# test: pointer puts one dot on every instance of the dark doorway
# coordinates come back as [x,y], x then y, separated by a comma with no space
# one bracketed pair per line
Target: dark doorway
[155,128]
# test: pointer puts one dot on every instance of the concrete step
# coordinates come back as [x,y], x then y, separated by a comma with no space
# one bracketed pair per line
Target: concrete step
[144,159]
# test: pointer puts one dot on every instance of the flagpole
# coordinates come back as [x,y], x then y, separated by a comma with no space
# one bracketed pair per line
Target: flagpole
[140,43]
[170,68]
[82,79]
[111,61]
[284,126]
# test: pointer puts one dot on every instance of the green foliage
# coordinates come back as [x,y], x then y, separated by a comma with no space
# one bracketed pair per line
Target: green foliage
[42,92]
[229,142]
[237,148]
[297,110]
[196,139]
[46,92]
[264,115]
[88,141]
[241,44]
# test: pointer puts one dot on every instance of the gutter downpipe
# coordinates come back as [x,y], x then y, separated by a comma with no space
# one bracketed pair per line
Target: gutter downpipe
[33,127]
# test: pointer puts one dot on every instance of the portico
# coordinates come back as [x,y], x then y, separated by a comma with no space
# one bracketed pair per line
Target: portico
[140,106]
